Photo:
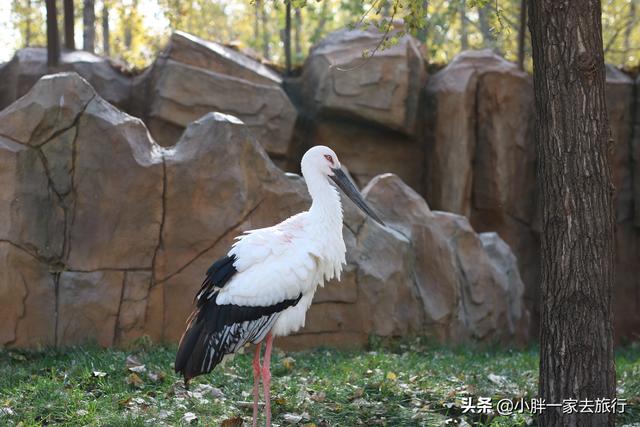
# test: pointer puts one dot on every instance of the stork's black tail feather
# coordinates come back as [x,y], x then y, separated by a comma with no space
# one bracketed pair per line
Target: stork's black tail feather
[216,330]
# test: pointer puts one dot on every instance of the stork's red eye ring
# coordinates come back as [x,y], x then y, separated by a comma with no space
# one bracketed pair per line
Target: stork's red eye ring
[329,158]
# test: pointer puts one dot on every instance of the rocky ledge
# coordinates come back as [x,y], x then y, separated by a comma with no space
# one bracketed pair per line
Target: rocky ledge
[105,234]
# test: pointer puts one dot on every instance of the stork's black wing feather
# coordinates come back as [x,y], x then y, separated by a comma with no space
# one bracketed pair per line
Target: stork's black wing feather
[214,330]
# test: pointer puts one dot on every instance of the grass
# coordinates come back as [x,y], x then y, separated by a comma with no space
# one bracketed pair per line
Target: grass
[408,383]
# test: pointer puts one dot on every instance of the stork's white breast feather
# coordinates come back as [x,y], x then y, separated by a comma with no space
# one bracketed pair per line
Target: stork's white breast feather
[274,264]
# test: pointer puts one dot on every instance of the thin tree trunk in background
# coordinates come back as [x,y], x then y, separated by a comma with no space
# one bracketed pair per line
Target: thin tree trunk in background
[27,35]
[488,37]
[578,246]
[53,40]
[106,47]
[128,35]
[287,36]
[321,22]
[386,8]
[297,45]
[423,33]
[522,34]
[88,26]
[69,21]
[266,37]
[627,33]
[464,35]
[256,22]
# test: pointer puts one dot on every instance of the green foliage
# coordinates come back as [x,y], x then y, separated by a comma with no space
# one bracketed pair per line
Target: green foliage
[29,21]
[139,28]
[410,382]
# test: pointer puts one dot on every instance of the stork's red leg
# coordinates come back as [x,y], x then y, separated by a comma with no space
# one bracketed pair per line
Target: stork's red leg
[266,378]
[256,382]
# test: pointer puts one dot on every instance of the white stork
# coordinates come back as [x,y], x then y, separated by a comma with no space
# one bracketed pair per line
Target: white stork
[263,287]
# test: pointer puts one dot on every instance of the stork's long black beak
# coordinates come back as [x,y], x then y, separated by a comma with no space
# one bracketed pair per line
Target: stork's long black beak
[344,183]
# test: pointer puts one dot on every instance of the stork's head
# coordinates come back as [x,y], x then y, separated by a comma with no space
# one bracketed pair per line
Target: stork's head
[323,161]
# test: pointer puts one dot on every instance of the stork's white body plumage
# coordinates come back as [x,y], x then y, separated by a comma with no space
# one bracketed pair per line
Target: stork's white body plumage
[265,284]
[289,259]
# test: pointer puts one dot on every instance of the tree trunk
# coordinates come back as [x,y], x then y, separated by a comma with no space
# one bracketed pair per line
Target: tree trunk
[53,40]
[297,44]
[88,26]
[256,23]
[576,338]
[423,33]
[69,21]
[106,46]
[488,37]
[322,20]
[386,8]
[27,35]
[266,37]
[629,29]
[522,34]
[464,35]
[287,36]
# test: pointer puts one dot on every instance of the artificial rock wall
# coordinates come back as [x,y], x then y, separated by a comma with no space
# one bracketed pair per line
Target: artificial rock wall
[460,140]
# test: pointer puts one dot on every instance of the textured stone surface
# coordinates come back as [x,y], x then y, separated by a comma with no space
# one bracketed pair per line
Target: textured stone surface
[436,277]
[620,106]
[506,265]
[81,214]
[29,64]
[191,50]
[27,317]
[636,155]
[369,151]
[89,204]
[425,273]
[219,182]
[88,305]
[137,225]
[383,90]
[619,94]
[193,77]
[481,159]
[118,188]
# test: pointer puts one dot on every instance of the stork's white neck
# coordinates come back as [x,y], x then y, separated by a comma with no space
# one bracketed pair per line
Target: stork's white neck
[326,206]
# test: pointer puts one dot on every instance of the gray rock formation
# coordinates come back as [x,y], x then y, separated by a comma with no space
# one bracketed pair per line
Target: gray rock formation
[106,235]
[29,64]
[193,77]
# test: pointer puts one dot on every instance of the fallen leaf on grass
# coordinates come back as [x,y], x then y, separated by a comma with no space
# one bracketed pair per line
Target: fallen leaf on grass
[189,418]
[359,392]
[292,418]
[164,414]
[134,365]
[232,422]
[206,389]
[319,397]
[6,411]
[134,380]
[157,377]
[124,402]
[17,356]
[288,363]
[497,379]
[248,405]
